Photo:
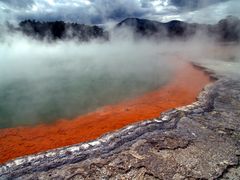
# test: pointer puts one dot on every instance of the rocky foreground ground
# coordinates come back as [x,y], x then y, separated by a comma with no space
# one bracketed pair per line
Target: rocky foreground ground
[199,141]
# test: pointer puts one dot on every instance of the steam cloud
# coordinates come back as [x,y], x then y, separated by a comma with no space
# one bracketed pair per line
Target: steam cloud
[42,81]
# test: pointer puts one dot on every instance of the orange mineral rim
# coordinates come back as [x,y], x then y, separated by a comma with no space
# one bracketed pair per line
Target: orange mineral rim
[182,89]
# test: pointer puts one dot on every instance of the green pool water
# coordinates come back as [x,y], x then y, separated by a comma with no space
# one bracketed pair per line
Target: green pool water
[63,92]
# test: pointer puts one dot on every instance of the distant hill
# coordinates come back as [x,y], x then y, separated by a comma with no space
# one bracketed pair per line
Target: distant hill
[154,28]
[226,30]
[229,29]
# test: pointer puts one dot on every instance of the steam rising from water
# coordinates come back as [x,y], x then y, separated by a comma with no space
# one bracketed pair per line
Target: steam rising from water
[42,82]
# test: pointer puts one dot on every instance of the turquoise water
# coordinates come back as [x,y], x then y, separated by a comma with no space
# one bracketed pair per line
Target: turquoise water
[68,92]
[41,82]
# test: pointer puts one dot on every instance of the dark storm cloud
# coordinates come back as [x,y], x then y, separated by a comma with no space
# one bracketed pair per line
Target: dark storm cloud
[18,3]
[116,9]
[194,4]
[94,11]
[101,11]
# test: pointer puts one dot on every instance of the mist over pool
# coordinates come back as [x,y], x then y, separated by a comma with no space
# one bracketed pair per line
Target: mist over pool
[41,82]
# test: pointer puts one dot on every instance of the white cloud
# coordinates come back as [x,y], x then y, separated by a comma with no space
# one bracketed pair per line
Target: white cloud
[51,2]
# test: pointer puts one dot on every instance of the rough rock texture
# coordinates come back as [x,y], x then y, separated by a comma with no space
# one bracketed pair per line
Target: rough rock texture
[199,141]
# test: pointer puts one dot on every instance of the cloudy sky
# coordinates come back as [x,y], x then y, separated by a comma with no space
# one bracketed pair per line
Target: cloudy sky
[102,11]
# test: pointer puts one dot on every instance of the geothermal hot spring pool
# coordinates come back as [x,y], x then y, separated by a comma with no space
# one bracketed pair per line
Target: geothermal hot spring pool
[61,95]
[65,91]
